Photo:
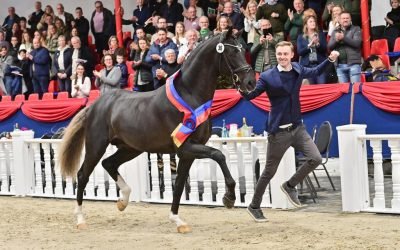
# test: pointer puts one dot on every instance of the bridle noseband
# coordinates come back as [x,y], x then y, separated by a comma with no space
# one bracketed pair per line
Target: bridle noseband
[246,67]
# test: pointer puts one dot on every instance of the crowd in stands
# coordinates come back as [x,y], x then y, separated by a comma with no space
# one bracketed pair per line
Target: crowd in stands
[56,46]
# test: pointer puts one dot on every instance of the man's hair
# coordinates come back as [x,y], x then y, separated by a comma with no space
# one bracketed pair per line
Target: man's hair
[78,8]
[283,44]
[162,29]
[169,51]
[345,12]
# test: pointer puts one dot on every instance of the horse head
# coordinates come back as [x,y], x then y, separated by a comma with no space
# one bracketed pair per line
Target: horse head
[234,61]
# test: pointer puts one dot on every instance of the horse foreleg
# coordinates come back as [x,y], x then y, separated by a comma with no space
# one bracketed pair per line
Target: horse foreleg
[199,151]
[183,172]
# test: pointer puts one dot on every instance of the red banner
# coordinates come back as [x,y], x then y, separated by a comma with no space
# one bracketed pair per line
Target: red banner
[384,95]
[224,100]
[7,109]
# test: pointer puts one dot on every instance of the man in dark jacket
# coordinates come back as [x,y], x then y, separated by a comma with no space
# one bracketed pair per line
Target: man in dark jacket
[10,20]
[167,69]
[82,24]
[65,16]
[101,26]
[81,54]
[40,68]
[36,16]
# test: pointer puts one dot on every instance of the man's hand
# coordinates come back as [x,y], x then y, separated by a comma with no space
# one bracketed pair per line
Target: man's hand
[155,57]
[290,14]
[339,36]
[334,55]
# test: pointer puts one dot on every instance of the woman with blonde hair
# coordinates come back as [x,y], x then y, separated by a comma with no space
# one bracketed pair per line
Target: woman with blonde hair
[311,47]
[179,37]
[26,42]
[38,34]
[334,23]
[80,83]
[223,24]
[52,39]
[250,22]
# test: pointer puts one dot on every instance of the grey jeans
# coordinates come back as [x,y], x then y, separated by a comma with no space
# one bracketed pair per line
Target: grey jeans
[277,145]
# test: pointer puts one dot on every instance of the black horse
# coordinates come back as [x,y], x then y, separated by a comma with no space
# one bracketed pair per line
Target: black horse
[143,122]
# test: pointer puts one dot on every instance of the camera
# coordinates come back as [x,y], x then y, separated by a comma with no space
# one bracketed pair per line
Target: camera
[267,31]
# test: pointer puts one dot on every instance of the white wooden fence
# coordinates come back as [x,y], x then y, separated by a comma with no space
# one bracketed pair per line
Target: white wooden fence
[355,185]
[24,170]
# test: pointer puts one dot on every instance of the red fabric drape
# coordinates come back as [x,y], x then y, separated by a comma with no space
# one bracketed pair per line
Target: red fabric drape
[7,109]
[311,96]
[53,110]
[224,100]
[384,95]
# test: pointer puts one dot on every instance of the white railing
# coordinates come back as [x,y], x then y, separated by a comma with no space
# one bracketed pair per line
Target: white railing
[354,171]
[35,173]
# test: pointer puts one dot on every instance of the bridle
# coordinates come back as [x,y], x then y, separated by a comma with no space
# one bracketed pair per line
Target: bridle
[245,67]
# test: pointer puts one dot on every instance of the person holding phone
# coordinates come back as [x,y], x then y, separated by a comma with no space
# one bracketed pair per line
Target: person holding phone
[263,49]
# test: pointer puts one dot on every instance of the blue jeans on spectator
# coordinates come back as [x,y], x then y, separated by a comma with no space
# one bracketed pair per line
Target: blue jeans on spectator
[320,79]
[348,73]
[40,84]
[64,84]
[8,84]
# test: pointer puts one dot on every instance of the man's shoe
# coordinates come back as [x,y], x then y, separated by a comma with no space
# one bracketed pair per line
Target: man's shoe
[257,214]
[291,194]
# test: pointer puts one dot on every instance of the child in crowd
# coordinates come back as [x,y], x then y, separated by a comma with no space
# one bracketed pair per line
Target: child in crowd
[124,70]
[80,83]
[25,65]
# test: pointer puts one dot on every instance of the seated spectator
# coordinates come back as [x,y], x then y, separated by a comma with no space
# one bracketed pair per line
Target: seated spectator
[112,45]
[294,24]
[334,23]
[171,11]
[40,57]
[263,49]
[120,58]
[377,70]
[205,31]
[192,38]
[191,21]
[5,74]
[143,74]
[275,12]
[223,24]
[63,64]
[179,37]
[166,70]
[108,78]
[80,83]
[346,39]
[250,23]
[311,47]
[392,19]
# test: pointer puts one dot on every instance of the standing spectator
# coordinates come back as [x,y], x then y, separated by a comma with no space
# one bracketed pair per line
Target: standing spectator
[25,65]
[108,78]
[210,8]
[65,16]
[275,12]
[48,11]
[101,26]
[392,19]
[9,21]
[223,24]
[37,34]
[82,25]
[80,83]
[192,38]
[250,22]
[112,45]
[36,16]
[294,23]
[199,10]
[41,67]
[352,6]
[172,11]
[134,46]
[151,25]
[143,74]
[205,31]
[52,39]
[15,31]
[61,29]
[81,54]
[161,24]
[335,16]
[191,20]
[311,47]
[5,75]
[167,69]
[347,40]
[124,70]
[157,50]
[63,64]
[179,38]
[42,27]
[235,17]
[26,42]
[141,14]
[263,49]
[14,47]
[3,42]
[23,27]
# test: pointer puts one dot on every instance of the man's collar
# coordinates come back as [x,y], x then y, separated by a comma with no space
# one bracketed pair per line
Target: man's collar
[280,68]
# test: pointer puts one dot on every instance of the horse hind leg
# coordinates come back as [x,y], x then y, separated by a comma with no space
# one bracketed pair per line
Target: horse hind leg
[111,164]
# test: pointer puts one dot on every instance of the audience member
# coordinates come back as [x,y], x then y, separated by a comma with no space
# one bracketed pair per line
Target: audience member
[66,17]
[23,27]
[347,40]
[82,26]
[36,16]
[236,18]
[52,39]
[143,74]
[40,68]
[108,78]
[80,83]
[223,24]
[250,23]
[161,24]
[5,75]
[191,21]
[3,42]
[179,38]
[101,26]
[141,14]
[192,38]
[124,70]
[294,23]
[392,19]
[62,64]
[14,48]
[335,16]
[311,47]
[26,42]
[275,12]
[10,19]
[205,31]
[81,54]
[25,65]
[172,11]
[167,69]
[61,29]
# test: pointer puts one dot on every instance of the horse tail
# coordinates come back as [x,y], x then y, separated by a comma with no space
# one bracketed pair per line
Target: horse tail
[72,144]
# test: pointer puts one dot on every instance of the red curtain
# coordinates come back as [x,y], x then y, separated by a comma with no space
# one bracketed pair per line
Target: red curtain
[384,95]
[53,110]
[224,100]
[311,96]
[7,109]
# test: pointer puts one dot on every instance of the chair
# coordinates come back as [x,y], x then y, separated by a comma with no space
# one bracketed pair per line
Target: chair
[379,47]
[129,66]
[19,98]
[33,97]
[62,95]
[397,45]
[323,140]
[131,82]
[48,96]
[126,35]
[90,39]
[53,86]
[6,98]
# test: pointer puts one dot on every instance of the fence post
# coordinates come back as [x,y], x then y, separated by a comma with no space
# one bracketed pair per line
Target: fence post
[353,167]
[22,165]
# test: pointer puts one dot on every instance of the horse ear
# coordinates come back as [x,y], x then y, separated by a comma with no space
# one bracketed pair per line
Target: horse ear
[238,34]
[229,33]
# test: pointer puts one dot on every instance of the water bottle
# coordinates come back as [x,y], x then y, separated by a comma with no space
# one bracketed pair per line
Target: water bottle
[224,132]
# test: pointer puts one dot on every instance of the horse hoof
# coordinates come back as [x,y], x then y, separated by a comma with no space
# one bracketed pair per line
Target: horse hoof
[228,203]
[82,226]
[183,229]
[121,206]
